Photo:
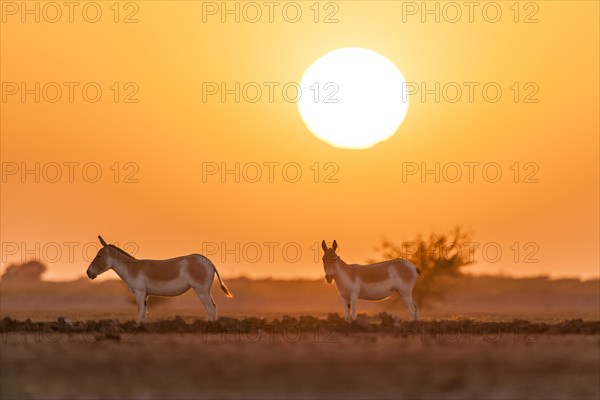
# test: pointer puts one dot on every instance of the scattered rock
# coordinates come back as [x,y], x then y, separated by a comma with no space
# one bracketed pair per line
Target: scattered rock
[382,323]
[387,321]
[335,318]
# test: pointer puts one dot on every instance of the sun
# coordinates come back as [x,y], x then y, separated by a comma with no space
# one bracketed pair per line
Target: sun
[352,98]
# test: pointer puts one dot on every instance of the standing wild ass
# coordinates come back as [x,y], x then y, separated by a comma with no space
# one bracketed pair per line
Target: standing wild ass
[170,277]
[370,282]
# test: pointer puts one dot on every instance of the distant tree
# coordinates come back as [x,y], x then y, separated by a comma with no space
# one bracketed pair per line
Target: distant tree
[439,257]
[30,271]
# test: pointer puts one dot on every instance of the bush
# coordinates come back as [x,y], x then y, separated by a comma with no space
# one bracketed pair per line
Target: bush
[438,257]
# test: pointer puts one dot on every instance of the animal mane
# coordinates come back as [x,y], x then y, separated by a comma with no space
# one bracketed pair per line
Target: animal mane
[112,246]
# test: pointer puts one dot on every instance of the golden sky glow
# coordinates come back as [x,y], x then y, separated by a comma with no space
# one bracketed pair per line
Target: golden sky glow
[174,141]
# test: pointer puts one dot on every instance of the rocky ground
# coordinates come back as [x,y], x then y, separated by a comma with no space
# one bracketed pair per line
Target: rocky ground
[300,357]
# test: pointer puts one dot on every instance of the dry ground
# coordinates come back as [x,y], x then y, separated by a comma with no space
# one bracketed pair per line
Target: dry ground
[477,350]
[292,360]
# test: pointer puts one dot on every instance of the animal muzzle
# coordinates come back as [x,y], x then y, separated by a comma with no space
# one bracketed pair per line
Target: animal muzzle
[329,278]
[91,275]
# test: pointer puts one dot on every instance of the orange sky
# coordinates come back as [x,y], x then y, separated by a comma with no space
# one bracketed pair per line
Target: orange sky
[170,134]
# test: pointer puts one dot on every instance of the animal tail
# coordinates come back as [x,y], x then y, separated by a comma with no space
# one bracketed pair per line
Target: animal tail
[223,287]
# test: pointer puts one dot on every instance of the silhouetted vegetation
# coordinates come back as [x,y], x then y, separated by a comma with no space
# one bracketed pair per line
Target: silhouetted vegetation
[306,325]
[27,272]
[439,257]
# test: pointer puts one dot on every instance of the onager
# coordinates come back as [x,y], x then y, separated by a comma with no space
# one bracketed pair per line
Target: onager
[370,282]
[171,277]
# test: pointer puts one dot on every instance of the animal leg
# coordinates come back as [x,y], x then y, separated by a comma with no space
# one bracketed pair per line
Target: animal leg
[209,304]
[416,311]
[353,301]
[413,313]
[347,308]
[142,303]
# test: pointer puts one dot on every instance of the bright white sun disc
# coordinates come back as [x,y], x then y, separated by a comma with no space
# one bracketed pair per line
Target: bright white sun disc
[352,98]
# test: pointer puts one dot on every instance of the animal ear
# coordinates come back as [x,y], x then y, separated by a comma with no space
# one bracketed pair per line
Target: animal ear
[102,241]
[324,245]
[334,247]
